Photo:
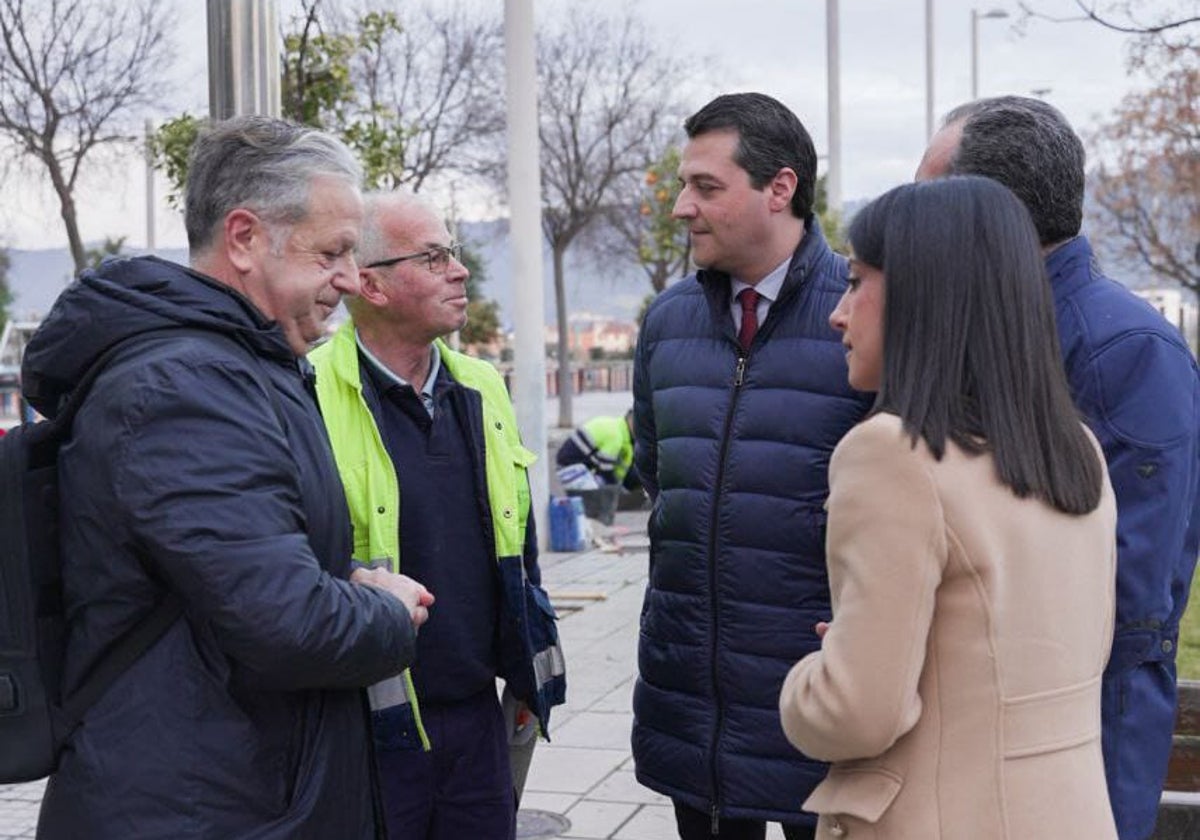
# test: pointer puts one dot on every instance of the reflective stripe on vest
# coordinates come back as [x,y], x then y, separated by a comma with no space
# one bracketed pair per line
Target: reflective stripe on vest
[548,664]
[390,692]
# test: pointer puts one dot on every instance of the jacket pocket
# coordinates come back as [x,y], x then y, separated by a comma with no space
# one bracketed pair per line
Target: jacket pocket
[395,729]
[851,801]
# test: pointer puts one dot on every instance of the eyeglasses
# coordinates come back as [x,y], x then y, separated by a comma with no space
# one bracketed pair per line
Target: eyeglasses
[437,256]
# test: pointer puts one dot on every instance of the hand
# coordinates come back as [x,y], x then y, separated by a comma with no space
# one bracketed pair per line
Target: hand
[415,597]
[822,627]
[524,716]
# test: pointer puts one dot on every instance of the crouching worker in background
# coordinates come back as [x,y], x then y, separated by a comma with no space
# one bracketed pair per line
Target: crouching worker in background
[971,543]
[599,453]
[427,444]
[199,473]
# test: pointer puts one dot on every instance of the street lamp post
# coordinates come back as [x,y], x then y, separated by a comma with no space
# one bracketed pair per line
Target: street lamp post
[928,69]
[994,14]
[833,179]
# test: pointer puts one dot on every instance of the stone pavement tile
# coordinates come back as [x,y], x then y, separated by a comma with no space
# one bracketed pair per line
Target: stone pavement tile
[18,818]
[622,786]
[652,822]
[605,730]
[620,699]
[555,803]
[570,769]
[28,791]
[595,623]
[598,673]
[618,649]
[598,819]
[580,698]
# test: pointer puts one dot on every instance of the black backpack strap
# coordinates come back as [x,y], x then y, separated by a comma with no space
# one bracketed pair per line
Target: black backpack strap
[143,635]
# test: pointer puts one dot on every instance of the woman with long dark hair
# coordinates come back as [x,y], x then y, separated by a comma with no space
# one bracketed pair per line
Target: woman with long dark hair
[971,543]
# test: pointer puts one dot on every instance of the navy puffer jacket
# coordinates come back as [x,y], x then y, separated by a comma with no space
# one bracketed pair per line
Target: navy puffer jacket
[246,719]
[735,452]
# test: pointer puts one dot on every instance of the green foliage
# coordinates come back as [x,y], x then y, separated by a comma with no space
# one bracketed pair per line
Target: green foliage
[110,248]
[662,240]
[644,308]
[6,296]
[483,315]
[318,90]
[169,150]
[380,140]
[317,86]
[831,222]
[1189,636]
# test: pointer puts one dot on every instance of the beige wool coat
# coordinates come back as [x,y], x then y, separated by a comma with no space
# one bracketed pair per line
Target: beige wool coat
[957,691]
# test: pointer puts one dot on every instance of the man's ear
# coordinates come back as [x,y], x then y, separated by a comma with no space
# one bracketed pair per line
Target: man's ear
[245,236]
[371,288]
[782,187]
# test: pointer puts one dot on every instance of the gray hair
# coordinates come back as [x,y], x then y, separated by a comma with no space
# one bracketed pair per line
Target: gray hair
[263,164]
[372,243]
[1029,147]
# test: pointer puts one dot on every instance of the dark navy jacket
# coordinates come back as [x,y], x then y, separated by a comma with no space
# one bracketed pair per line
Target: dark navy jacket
[1136,383]
[196,467]
[735,453]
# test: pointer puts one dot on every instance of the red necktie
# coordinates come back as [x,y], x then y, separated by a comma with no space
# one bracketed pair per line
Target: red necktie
[748,298]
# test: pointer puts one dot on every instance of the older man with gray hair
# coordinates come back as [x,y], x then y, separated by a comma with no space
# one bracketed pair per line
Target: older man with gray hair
[435,472]
[199,480]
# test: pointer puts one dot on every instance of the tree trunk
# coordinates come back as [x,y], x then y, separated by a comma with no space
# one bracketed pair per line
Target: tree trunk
[565,380]
[66,203]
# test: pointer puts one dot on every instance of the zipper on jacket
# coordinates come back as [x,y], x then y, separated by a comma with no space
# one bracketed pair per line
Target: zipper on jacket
[714,601]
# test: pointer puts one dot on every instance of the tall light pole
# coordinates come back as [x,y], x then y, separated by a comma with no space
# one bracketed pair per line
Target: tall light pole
[994,14]
[833,177]
[525,238]
[928,69]
[243,58]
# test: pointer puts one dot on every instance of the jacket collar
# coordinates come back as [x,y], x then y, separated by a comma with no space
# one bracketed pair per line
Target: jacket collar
[1068,266]
[809,253]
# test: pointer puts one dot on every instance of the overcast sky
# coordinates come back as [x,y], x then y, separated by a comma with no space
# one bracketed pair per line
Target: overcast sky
[775,46]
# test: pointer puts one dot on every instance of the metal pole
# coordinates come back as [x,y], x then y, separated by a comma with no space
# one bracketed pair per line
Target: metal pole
[928,69]
[974,55]
[525,236]
[149,187]
[243,58]
[833,178]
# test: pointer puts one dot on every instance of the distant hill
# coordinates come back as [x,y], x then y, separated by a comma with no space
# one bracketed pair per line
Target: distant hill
[608,287]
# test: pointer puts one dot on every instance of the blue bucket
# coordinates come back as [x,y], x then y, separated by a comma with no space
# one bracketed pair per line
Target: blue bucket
[566,524]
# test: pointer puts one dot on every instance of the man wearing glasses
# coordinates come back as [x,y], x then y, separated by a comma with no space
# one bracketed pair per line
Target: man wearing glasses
[435,476]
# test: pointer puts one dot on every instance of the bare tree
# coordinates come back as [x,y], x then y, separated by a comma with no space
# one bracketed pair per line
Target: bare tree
[74,76]
[606,110]
[1148,184]
[1133,17]
[439,80]
[416,95]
